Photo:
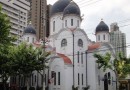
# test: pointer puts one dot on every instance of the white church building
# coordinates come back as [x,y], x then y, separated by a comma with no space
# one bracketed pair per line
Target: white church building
[72,62]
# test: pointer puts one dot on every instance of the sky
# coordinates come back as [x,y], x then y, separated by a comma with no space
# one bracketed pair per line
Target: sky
[92,11]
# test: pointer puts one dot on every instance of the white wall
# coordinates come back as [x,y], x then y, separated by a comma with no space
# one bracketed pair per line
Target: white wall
[75,21]
[101,34]
[58,23]
[57,65]
[30,36]
[68,51]
[96,75]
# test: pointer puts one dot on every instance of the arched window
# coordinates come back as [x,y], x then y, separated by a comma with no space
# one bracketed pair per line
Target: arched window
[63,43]
[27,39]
[32,40]
[98,37]
[65,23]
[80,43]
[71,22]
[53,26]
[104,37]
[77,23]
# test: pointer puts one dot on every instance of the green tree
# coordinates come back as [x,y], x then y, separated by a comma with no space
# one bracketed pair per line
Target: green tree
[103,61]
[120,64]
[26,59]
[5,42]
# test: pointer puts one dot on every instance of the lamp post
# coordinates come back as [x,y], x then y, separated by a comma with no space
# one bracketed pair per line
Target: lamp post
[86,68]
[72,30]
[44,19]
[73,58]
[43,76]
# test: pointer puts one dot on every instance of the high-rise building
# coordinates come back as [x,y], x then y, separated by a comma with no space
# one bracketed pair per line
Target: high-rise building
[38,17]
[47,17]
[17,10]
[118,39]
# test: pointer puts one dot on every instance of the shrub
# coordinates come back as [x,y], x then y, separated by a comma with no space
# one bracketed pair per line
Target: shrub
[31,88]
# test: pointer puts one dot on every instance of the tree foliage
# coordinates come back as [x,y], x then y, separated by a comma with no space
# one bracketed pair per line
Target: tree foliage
[5,26]
[26,59]
[5,43]
[17,60]
[103,61]
[121,64]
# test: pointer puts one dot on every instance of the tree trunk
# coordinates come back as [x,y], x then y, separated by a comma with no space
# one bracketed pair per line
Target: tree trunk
[4,84]
[117,86]
[27,83]
[4,79]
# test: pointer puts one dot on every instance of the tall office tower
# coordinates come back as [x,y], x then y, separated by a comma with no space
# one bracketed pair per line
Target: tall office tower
[118,39]
[48,21]
[17,10]
[38,17]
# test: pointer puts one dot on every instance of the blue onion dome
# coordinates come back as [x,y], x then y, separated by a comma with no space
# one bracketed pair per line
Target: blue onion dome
[72,8]
[102,27]
[29,29]
[59,6]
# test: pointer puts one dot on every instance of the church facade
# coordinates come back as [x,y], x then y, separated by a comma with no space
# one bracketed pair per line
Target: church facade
[72,63]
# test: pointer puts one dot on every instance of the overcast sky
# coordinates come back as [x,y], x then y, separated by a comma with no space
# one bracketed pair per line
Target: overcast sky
[108,10]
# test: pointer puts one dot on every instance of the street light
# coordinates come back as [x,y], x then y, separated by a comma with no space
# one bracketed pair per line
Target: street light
[72,30]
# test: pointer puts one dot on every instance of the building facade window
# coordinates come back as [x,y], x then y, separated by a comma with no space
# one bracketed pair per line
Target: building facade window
[32,40]
[27,39]
[78,56]
[41,79]
[98,37]
[104,37]
[54,78]
[80,43]
[71,22]
[82,79]
[77,23]
[65,23]
[32,79]
[78,79]
[82,58]
[35,78]
[58,78]
[63,43]
[53,26]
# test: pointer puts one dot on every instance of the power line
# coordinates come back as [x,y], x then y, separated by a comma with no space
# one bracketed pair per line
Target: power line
[84,52]
[90,3]
[119,27]
[80,35]
[126,20]
[124,25]
[82,2]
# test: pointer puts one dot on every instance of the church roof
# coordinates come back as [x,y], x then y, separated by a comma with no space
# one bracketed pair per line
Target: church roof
[94,46]
[102,27]
[30,29]
[65,58]
[59,6]
[72,8]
